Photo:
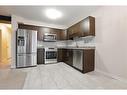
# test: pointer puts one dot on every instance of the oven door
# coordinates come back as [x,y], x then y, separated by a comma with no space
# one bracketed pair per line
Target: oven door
[50,57]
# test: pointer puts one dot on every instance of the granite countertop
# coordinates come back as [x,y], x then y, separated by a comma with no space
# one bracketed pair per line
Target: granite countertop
[83,47]
[80,48]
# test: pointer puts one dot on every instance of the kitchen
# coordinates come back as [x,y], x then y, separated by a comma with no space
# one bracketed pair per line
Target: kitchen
[50,49]
[66,49]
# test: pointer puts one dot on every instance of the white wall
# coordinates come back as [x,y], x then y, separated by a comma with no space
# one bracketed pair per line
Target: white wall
[13,41]
[111,40]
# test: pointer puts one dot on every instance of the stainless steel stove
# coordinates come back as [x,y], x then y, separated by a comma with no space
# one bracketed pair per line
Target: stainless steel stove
[50,55]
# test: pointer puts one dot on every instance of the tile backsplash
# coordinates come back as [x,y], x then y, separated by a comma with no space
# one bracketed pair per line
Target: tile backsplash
[47,44]
[80,42]
[86,41]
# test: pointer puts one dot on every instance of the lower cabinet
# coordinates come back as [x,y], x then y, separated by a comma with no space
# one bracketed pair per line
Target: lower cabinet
[59,55]
[82,60]
[88,60]
[62,55]
[69,58]
[40,56]
[65,55]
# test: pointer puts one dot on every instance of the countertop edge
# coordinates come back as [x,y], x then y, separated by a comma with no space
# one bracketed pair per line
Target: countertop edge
[71,47]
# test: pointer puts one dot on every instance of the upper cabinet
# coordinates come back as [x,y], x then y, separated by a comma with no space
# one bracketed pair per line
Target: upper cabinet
[86,27]
[61,33]
[73,31]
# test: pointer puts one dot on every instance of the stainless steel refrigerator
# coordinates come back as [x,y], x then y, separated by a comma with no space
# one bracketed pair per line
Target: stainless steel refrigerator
[26,51]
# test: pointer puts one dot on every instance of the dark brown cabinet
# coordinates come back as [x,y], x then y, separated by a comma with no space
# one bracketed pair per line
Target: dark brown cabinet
[86,64]
[84,59]
[73,31]
[86,27]
[59,32]
[40,34]
[24,26]
[62,55]
[62,35]
[69,60]
[65,55]
[88,60]
[40,56]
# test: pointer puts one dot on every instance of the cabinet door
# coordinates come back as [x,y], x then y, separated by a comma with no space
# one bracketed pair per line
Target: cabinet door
[40,56]
[60,55]
[69,60]
[74,31]
[88,60]
[53,31]
[92,26]
[63,35]
[70,33]
[88,26]
[40,36]
[71,57]
[41,32]
[65,55]
[83,28]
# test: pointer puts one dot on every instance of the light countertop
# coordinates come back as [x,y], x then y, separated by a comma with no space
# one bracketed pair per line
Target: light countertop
[84,47]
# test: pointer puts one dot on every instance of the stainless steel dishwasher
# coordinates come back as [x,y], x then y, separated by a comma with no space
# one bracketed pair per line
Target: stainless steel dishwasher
[77,59]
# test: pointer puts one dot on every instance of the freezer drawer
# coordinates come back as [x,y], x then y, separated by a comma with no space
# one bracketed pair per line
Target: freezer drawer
[25,60]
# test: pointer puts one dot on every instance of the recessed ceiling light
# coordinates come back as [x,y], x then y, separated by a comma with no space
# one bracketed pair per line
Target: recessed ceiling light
[53,14]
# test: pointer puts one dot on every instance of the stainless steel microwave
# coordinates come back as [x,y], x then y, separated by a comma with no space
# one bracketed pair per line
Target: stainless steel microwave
[49,37]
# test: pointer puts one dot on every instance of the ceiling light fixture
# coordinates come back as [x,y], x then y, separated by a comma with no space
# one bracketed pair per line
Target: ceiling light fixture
[53,14]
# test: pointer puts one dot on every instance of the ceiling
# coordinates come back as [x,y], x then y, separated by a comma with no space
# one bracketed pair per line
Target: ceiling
[71,14]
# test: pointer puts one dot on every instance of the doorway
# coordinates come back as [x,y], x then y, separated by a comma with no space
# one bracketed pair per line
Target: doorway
[5,45]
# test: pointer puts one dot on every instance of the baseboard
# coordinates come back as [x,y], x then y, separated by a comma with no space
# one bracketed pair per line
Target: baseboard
[111,76]
[13,66]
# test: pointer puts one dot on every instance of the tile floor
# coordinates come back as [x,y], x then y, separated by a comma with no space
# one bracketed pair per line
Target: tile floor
[62,76]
